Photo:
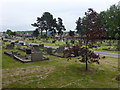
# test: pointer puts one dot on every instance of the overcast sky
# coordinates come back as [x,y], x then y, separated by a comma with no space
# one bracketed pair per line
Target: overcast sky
[18,15]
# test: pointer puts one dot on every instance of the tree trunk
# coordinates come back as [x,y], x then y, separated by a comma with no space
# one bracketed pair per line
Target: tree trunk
[86,57]
[41,33]
[46,34]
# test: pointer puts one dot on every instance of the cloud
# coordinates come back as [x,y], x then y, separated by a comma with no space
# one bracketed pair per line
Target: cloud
[20,14]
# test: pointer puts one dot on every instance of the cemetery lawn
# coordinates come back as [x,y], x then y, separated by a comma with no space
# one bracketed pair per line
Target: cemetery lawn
[59,73]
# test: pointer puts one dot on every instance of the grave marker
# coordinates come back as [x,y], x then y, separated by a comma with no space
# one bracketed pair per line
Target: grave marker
[49,50]
[60,49]
[36,56]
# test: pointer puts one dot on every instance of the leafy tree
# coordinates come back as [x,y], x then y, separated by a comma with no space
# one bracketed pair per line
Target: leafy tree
[39,24]
[46,22]
[94,31]
[35,33]
[60,26]
[80,27]
[111,19]
[53,28]
[117,36]
[13,33]
[9,32]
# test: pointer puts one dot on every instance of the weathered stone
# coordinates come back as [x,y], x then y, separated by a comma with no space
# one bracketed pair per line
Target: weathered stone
[49,50]
[36,49]
[36,56]
[60,49]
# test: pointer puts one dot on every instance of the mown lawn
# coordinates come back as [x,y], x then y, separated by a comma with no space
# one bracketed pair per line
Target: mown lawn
[59,73]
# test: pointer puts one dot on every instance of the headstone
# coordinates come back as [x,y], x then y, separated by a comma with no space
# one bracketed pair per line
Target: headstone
[14,52]
[13,43]
[53,41]
[35,45]
[16,41]
[26,43]
[72,41]
[41,45]
[21,43]
[60,49]
[36,49]
[18,46]
[5,40]
[66,42]
[49,50]
[9,46]
[36,56]
[28,51]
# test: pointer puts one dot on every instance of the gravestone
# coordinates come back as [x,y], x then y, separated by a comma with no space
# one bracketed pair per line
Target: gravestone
[49,50]
[5,40]
[16,41]
[60,49]
[13,43]
[36,56]
[72,41]
[36,49]
[53,41]
[28,51]
[14,52]
[41,45]
[21,43]
[9,46]
[18,46]
[26,43]
[35,45]
[66,42]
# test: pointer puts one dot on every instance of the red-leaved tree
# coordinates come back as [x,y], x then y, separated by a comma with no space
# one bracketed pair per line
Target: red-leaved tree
[93,31]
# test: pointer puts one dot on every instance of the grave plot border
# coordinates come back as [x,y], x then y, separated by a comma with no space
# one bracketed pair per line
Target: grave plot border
[21,60]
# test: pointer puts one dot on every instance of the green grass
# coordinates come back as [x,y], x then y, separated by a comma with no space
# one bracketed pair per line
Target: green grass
[59,73]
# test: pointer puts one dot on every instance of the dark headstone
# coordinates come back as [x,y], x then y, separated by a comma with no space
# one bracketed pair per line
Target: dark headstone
[49,50]
[13,43]
[9,46]
[53,41]
[41,45]
[28,51]
[16,41]
[72,41]
[21,43]
[14,52]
